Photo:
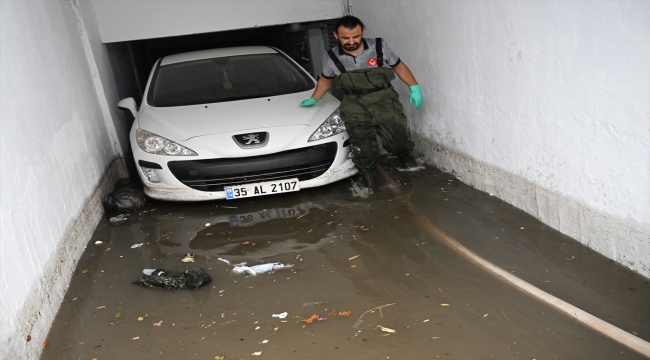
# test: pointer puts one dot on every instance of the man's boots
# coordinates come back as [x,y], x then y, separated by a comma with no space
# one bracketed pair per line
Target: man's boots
[370,179]
[408,162]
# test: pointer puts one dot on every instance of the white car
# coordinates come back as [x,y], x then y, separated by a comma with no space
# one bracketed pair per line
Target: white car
[225,124]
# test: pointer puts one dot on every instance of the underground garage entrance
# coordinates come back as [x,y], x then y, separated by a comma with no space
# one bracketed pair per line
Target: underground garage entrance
[424,268]
[334,272]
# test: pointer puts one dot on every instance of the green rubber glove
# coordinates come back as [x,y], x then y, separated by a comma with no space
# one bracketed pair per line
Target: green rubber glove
[416,96]
[309,102]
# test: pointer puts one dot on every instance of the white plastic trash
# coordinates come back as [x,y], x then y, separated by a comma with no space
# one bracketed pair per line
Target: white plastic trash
[118,219]
[153,272]
[281,315]
[259,269]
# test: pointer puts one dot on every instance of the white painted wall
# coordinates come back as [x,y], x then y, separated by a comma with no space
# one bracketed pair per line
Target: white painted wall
[124,20]
[545,104]
[58,157]
[104,75]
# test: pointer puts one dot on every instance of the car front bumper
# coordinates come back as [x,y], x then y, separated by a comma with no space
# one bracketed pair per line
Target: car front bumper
[203,179]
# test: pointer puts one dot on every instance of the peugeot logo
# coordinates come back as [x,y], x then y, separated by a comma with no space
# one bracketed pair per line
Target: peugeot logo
[252,140]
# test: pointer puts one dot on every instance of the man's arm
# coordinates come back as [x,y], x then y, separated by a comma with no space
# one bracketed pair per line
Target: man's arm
[322,86]
[404,73]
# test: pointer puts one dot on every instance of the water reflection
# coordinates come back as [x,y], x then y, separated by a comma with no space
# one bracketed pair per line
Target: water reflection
[245,236]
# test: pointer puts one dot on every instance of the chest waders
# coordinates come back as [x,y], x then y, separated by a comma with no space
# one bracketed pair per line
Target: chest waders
[369,108]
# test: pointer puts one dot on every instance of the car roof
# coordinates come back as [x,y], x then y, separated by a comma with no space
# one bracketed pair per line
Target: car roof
[215,53]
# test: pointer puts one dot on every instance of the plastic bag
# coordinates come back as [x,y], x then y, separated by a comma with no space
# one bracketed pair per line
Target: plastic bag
[242,270]
[190,279]
[125,199]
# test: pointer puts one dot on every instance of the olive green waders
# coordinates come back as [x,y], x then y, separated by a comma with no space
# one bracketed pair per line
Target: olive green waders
[369,108]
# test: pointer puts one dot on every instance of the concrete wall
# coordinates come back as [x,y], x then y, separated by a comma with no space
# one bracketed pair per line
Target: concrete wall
[124,20]
[545,104]
[106,76]
[59,156]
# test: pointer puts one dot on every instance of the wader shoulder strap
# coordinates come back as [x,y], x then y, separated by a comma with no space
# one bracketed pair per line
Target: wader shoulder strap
[337,62]
[380,53]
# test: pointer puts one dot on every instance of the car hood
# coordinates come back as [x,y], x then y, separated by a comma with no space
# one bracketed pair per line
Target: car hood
[182,123]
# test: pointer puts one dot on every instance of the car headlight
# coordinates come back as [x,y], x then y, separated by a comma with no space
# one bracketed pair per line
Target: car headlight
[155,144]
[332,126]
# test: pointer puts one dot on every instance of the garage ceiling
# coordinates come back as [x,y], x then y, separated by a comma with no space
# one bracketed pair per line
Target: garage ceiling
[125,20]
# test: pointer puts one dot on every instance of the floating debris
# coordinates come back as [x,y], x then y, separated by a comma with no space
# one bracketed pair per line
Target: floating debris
[118,219]
[190,279]
[281,315]
[259,269]
[386,329]
[312,303]
[310,319]
[188,257]
[124,199]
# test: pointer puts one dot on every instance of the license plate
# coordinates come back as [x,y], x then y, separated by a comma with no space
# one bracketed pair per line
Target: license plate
[263,188]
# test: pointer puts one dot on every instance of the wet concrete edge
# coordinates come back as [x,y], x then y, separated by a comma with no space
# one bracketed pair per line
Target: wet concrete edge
[620,240]
[46,294]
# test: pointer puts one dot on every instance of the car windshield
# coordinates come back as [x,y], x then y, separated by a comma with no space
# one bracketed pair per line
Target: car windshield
[226,79]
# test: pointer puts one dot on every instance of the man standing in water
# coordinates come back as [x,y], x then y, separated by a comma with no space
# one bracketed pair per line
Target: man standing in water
[363,69]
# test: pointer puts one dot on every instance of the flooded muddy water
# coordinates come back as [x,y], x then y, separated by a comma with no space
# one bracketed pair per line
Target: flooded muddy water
[406,293]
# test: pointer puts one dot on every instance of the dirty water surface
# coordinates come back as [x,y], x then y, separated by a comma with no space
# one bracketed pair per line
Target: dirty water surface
[368,281]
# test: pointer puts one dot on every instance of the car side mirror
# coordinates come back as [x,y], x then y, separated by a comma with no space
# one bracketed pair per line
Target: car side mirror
[128,104]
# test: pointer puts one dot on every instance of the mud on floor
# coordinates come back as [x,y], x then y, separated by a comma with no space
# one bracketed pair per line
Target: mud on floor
[379,284]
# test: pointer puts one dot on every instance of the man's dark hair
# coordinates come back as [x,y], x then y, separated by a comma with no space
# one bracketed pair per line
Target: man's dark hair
[349,22]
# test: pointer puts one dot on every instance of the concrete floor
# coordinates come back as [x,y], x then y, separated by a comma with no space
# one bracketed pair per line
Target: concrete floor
[402,270]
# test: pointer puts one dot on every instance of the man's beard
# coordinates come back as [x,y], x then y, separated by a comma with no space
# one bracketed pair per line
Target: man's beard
[352,47]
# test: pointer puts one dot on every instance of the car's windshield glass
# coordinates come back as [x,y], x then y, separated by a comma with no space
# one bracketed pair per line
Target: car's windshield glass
[226,79]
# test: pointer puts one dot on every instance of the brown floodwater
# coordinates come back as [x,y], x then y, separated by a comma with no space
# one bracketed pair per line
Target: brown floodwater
[409,294]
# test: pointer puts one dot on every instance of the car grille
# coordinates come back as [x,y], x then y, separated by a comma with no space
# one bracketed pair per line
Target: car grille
[215,174]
